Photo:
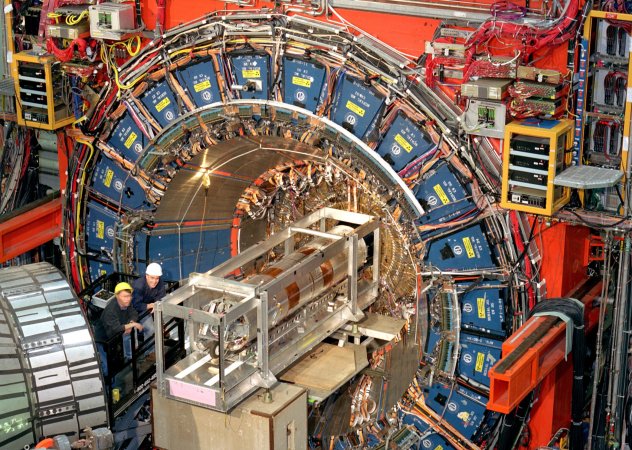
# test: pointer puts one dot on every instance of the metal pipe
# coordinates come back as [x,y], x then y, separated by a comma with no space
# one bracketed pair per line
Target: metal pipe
[620,349]
[622,312]
[598,348]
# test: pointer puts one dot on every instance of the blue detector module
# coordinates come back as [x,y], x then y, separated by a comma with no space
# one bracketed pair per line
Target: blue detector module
[443,197]
[434,336]
[182,254]
[429,439]
[200,83]
[461,407]
[112,182]
[127,139]
[434,441]
[403,143]
[414,420]
[465,250]
[478,355]
[483,307]
[356,106]
[161,103]
[303,83]
[252,69]
[99,268]
[100,227]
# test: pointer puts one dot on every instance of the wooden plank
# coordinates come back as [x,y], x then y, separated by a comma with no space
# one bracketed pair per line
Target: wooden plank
[324,368]
[381,327]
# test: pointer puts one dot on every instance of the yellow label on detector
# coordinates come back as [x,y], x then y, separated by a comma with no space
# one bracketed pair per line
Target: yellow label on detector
[480,304]
[302,82]
[130,139]
[480,359]
[100,229]
[441,193]
[355,108]
[439,447]
[162,104]
[109,174]
[251,73]
[468,247]
[206,84]
[403,143]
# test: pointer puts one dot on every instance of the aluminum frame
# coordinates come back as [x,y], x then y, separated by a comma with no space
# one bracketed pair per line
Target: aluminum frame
[236,378]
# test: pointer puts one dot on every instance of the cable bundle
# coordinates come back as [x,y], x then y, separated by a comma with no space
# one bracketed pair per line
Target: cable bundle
[440,63]
[66,54]
[528,37]
[605,138]
[615,84]
[522,108]
[617,38]
[531,99]
[505,10]
[14,162]
[526,89]
[613,148]
[486,68]
[620,89]
[599,137]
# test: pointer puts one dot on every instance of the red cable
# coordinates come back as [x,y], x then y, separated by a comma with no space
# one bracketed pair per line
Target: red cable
[67,53]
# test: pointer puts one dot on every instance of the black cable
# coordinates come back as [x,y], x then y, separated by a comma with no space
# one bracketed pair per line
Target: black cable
[526,245]
[513,424]
[597,225]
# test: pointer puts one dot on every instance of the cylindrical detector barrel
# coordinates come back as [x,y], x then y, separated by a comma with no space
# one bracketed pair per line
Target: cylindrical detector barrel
[309,285]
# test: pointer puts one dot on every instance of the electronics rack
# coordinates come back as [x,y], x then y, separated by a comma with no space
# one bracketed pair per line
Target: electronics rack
[534,153]
[604,108]
[38,87]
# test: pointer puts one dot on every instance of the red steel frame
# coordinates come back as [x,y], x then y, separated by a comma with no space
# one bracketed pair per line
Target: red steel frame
[21,232]
[542,365]
[508,389]
[30,229]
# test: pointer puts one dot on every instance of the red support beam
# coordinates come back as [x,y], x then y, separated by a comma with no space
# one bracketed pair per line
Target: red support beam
[529,367]
[29,227]
[509,387]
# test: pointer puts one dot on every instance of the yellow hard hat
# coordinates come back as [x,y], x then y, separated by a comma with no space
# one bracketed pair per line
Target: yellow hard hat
[122,287]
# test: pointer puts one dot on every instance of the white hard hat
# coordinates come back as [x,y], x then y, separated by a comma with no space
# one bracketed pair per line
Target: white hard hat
[154,270]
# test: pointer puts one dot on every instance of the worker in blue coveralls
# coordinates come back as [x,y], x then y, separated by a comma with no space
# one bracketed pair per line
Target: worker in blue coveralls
[147,291]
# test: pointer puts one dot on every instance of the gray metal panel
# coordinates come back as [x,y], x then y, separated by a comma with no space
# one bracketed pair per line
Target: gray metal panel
[419,9]
[43,392]
[588,177]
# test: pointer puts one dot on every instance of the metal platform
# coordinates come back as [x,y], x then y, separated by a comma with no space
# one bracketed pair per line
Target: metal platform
[588,177]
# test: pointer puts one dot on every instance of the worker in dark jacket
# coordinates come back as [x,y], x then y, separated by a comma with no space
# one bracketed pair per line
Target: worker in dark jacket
[117,317]
[147,291]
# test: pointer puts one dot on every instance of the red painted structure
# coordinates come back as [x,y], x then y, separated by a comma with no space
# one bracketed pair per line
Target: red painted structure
[542,366]
[29,227]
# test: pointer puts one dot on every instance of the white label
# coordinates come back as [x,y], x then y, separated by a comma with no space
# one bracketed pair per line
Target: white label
[625,144]
[9,57]
[629,99]
[8,8]
[460,14]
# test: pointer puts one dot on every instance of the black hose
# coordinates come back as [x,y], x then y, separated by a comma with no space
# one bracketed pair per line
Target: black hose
[575,312]
[512,425]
